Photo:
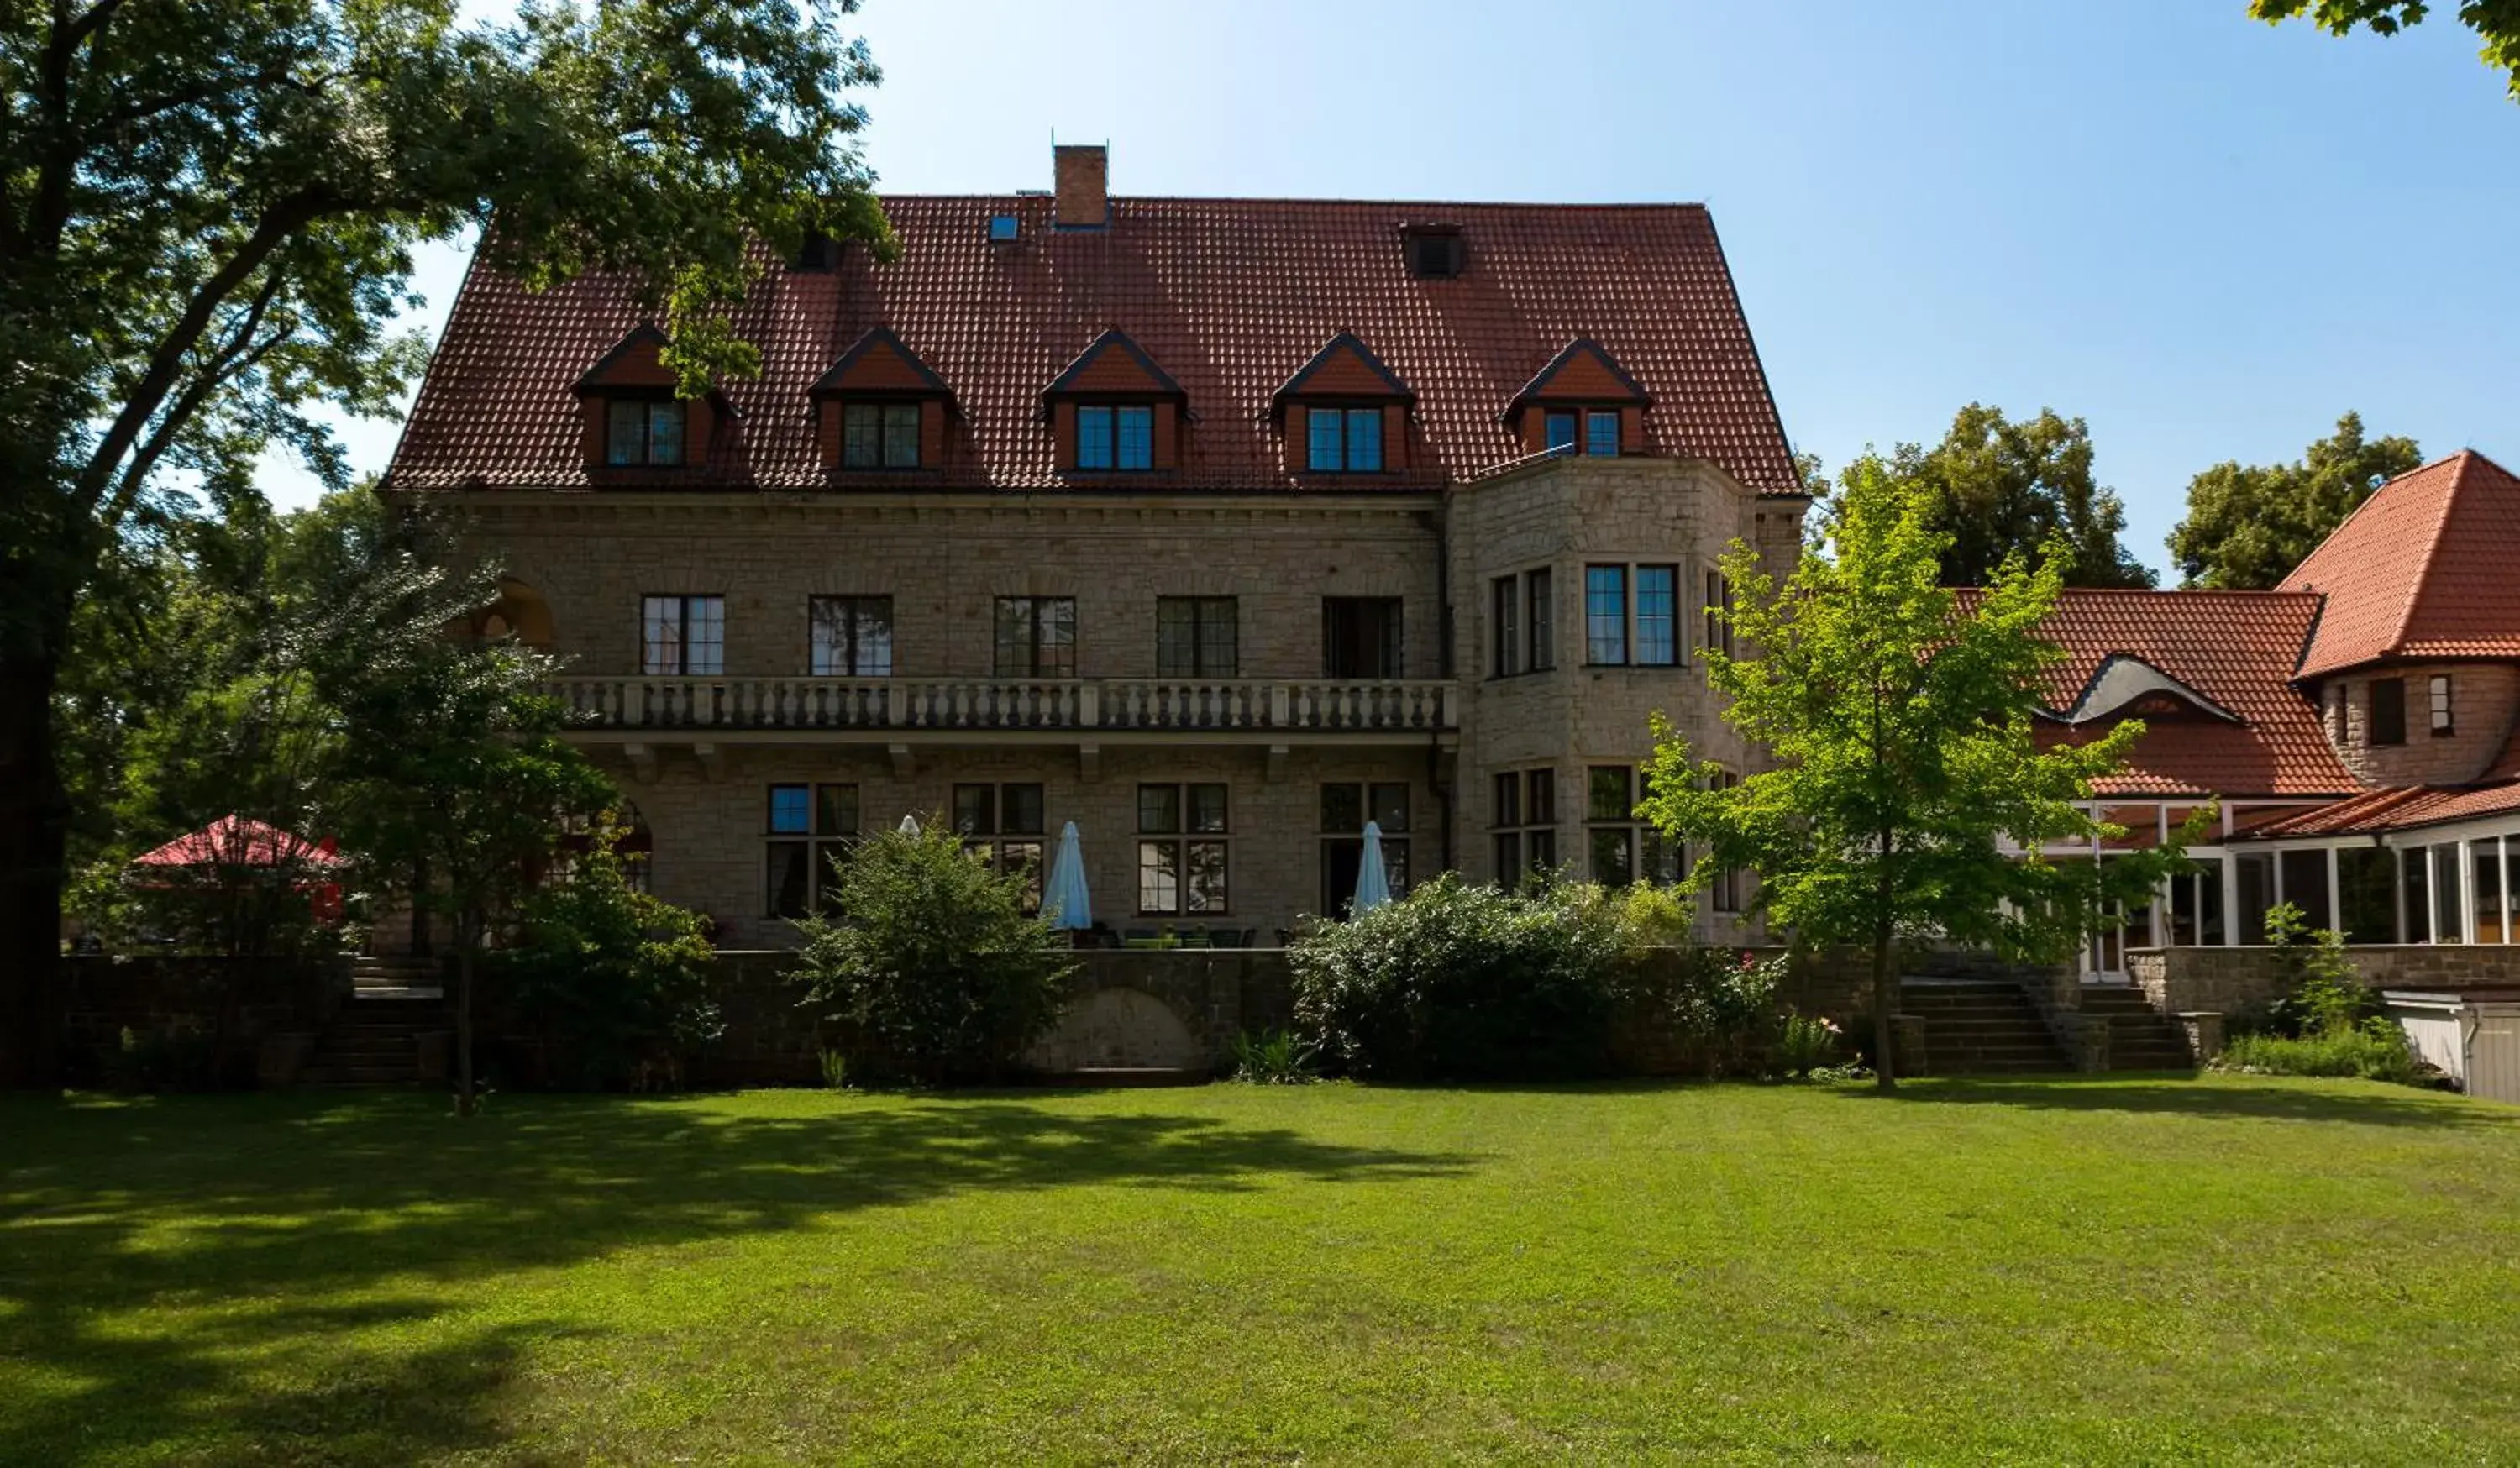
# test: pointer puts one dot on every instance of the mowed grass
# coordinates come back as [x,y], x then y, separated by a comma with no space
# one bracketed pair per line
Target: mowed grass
[2116,1271]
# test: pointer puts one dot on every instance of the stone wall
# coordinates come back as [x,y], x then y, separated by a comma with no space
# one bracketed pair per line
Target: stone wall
[2227,980]
[2484,697]
[174,997]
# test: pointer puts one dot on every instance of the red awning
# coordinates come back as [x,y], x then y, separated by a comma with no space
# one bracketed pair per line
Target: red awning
[237,841]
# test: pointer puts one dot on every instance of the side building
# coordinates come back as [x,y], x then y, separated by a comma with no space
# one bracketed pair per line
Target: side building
[1219,527]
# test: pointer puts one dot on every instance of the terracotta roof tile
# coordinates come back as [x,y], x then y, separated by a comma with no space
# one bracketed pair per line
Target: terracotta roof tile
[2234,649]
[1230,297]
[2397,808]
[2422,570]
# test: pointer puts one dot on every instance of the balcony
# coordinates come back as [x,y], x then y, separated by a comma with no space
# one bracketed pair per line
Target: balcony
[894,705]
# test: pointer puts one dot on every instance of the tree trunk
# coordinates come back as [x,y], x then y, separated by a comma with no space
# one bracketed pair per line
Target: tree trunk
[34,843]
[466,1102]
[1885,1004]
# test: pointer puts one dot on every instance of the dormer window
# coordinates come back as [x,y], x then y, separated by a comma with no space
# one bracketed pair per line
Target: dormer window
[1582,402]
[1116,436]
[1343,440]
[880,436]
[1112,411]
[652,432]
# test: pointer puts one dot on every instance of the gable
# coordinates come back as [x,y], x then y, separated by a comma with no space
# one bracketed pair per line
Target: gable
[1583,370]
[879,361]
[637,360]
[2421,569]
[1112,363]
[1345,367]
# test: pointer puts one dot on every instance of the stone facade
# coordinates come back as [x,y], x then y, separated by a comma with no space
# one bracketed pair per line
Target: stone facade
[2181,980]
[576,565]
[2484,697]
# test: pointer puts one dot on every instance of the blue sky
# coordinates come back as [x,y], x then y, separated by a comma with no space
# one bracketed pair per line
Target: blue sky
[2206,235]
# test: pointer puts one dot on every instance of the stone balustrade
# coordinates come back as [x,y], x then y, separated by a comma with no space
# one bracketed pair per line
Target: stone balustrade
[1268,705]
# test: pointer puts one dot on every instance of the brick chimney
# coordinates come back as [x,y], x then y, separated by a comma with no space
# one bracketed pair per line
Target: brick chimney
[1083,175]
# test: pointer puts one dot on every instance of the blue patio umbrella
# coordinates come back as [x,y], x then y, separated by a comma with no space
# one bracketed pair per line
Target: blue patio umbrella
[1064,900]
[1373,882]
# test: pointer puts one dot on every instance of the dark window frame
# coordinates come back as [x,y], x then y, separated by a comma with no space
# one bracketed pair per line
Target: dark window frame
[1593,646]
[2439,696]
[1033,643]
[1392,648]
[1007,842]
[817,835]
[885,433]
[1343,417]
[1646,855]
[682,643]
[1370,805]
[1108,439]
[852,660]
[1200,609]
[648,404]
[1522,824]
[1178,837]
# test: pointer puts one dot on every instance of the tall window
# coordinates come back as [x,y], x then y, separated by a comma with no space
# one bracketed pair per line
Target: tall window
[1360,637]
[1522,812]
[1605,615]
[1520,611]
[1184,856]
[1719,613]
[1005,824]
[1540,618]
[880,436]
[1346,807]
[2388,711]
[1505,626]
[1600,433]
[852,636]
[1560,431]
[2442,724]
[682,636]
[1624,850]
[1116,439]
[642,431]
[1343,440]
[1657,615]
[1036,637]
[810,827]
[1195,637]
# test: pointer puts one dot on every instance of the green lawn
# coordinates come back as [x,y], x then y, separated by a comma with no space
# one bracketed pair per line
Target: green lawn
[2133,1271]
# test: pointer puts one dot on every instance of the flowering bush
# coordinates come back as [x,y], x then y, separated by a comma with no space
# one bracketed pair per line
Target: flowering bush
[1805,1043]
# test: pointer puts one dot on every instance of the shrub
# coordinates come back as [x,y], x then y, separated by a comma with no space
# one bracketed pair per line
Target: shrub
[2374,1049]
[615,981]
[1718,1005]
[932,971]
[1461,980]
[836,1069]
[174,1058]
[1273,1057]
[1805,1044]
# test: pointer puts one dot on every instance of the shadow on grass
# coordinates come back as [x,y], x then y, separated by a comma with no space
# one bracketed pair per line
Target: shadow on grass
[264,1228]
[2370,1105]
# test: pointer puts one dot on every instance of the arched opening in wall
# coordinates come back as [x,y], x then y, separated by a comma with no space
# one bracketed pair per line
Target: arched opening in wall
[519,612]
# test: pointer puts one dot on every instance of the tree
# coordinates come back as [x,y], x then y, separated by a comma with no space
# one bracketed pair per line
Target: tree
[1899,719]
[451,765]
[1998,488]
[2248,525]
[205,230]
[931,967]
[2497,21]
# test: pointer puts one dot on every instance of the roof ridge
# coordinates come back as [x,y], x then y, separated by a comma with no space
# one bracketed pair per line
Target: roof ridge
[1697,205]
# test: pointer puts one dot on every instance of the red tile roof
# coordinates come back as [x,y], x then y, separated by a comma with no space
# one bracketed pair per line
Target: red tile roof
[2397,808]
[1228,297]
[2423,570]
[2234,649]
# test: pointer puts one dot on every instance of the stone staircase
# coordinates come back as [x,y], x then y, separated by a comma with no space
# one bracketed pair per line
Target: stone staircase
[397,976]
[2141,1036]
[376,1041]
[1981,1027]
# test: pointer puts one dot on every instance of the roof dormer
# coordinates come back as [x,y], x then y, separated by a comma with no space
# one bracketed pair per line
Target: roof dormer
[2125,685]
[1114,411]
[880,407]
[1581,402]
[633,420]
[1343,411]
